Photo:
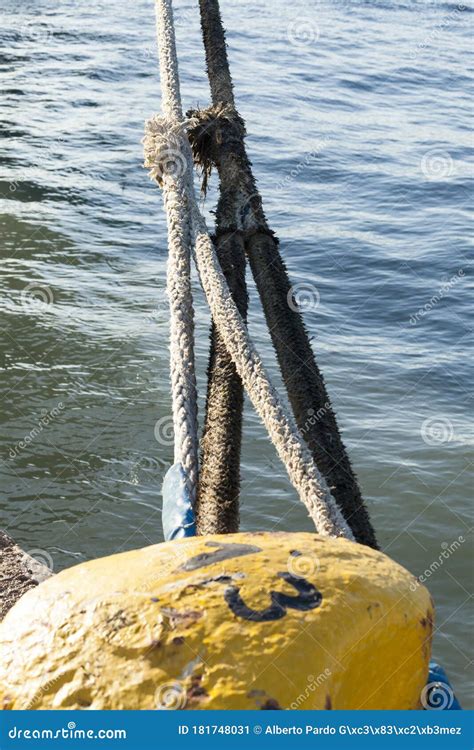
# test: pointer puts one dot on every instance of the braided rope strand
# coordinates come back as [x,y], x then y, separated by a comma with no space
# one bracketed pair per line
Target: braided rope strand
[164,155]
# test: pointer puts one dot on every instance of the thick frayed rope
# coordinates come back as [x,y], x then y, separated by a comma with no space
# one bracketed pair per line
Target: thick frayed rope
[162,148]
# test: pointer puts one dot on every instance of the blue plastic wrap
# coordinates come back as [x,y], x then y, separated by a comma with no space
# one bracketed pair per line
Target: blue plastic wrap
[177,514]
[438,695]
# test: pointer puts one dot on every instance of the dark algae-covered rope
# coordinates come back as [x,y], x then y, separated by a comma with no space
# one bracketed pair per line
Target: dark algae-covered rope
[217,136]
[217,503]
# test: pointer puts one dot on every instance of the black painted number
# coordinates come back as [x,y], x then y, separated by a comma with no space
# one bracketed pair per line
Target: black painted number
[308,597]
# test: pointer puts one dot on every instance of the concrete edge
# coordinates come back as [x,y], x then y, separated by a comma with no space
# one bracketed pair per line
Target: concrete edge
[19,572]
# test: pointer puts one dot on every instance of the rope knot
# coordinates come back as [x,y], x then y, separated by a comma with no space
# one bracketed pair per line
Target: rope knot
[209,131]
[164,147]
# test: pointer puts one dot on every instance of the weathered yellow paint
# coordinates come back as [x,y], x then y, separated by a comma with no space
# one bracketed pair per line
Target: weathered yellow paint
[150,629]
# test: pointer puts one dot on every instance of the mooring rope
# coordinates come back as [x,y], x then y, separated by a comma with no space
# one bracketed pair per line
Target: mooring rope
[178,188]
[217,136]
[182,366]
[217,503]
[217,506]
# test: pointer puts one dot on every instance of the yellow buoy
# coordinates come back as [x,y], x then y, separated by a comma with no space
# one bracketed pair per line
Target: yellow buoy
[262,620]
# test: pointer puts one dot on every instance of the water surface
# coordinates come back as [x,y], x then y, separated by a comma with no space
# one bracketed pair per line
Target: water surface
[358,120]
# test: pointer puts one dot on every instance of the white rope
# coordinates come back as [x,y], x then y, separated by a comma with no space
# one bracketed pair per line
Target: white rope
[178,188]
[171,164]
